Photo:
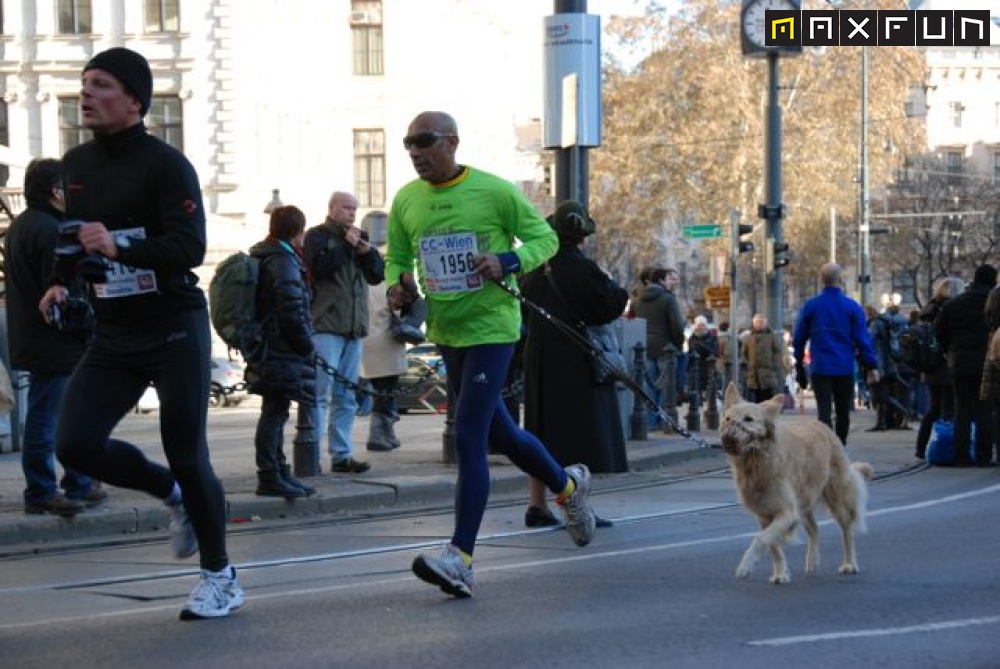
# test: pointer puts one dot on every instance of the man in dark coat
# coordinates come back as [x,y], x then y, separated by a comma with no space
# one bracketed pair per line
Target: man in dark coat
[576,419]
[963,334]
[664,335]
[48,354]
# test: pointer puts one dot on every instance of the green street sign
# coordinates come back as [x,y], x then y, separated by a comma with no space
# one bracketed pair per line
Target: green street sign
[708,231]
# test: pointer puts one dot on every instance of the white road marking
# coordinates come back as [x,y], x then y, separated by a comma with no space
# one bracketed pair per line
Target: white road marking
[883,631]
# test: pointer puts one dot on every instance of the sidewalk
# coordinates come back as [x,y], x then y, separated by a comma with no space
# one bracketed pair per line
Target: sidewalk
[412,476]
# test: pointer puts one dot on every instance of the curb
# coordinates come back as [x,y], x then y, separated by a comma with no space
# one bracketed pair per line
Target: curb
[20,534]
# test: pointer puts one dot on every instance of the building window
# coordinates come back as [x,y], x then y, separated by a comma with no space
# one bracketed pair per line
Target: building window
[71,130]
[956,114]
[366,37]
[996,168]
[163,16]
[369,167]
[902,283]
[954,168]
[165,119]
[5,140]
[74,17]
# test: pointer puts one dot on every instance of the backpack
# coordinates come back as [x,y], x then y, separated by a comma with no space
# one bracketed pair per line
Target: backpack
[232,302]
[920,349]
[894,331]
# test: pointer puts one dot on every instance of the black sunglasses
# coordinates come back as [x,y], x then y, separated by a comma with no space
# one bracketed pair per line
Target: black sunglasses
[423,140]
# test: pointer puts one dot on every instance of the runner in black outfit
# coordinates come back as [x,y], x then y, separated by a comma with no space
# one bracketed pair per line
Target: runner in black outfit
[141,201]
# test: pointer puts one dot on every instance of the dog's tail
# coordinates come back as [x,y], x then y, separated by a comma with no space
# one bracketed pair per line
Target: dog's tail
[861,473]
[866,470]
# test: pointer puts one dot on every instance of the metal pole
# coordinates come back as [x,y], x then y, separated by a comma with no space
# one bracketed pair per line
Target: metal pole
[833,234]
[774,208]
[734,331]
[864,204]
[572,163]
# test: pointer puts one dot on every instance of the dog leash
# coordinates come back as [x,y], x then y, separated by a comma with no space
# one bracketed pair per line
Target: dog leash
[598,356]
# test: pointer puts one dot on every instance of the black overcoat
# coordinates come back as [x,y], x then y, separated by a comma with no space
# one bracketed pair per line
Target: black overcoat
[577,420]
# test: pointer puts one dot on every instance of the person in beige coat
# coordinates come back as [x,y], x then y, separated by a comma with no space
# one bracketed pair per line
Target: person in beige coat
[766,357]
[383,360]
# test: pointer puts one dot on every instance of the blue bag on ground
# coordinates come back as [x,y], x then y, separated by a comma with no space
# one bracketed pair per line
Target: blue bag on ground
[941,447]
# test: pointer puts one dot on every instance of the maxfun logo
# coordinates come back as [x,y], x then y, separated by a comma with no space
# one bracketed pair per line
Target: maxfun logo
[870,27]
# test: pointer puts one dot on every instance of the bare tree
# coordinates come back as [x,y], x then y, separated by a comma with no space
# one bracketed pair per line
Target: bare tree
[684,136]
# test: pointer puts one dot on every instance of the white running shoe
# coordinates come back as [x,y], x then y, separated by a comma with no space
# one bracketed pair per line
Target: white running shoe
[581,522]
[217,594]
[183,540]
[446,571]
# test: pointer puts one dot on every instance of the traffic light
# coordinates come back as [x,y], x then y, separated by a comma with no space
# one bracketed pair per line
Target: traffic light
[744,245]
[776,255]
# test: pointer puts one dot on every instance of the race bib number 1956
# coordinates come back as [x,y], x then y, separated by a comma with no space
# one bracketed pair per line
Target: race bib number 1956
[447,263]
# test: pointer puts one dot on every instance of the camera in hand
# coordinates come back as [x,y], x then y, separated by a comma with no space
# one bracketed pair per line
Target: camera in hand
[90,267]
[74,316]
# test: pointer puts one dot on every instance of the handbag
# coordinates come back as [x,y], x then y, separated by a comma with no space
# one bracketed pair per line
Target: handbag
[603,340]
[606,355]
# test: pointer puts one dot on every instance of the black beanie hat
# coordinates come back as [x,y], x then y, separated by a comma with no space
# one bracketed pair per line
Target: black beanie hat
[986,275]
[128,67]
[571,221]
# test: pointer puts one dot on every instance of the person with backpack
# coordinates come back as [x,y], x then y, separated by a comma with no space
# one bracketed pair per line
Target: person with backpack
[933,366]
[284,370]
[144,233]
[889,394]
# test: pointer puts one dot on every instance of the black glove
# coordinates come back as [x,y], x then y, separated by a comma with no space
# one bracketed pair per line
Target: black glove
[801,377]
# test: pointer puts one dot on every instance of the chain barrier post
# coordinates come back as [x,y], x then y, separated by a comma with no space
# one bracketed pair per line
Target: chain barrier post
[639,420]
[711,405]
[693,417]
[305,448]
[668,388]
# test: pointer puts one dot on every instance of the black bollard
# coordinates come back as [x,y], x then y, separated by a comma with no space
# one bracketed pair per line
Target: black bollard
[711,405]
[638,425]
[305,448]
[693,417]
[668,388]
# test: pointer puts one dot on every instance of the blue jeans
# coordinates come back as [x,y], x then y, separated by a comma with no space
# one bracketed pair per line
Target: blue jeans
[336,404]
[38,455]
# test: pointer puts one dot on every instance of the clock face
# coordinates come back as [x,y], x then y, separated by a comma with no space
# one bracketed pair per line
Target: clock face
[754,26]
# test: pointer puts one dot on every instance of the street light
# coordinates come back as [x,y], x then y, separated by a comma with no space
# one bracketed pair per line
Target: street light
[274,203]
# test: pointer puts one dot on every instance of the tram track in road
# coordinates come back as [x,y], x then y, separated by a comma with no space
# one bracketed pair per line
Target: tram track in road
[390,515]
[652,479]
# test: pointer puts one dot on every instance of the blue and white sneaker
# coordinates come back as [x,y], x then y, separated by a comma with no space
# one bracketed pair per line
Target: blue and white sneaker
[581,522]
[183,540]
[446,571]
[217,594]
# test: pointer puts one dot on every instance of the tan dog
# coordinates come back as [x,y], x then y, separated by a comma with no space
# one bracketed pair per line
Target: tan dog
[781,471]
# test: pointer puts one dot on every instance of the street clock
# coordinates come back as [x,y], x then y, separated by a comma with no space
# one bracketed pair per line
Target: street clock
[753,27]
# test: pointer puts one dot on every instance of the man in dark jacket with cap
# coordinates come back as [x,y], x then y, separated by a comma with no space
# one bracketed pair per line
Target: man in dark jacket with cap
[48,354]
[141,202]
[963,335]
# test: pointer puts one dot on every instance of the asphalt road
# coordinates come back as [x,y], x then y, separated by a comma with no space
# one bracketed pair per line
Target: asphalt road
[656,590]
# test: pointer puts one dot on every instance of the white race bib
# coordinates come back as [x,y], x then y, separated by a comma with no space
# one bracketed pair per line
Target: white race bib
[447,263]
[125,281]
